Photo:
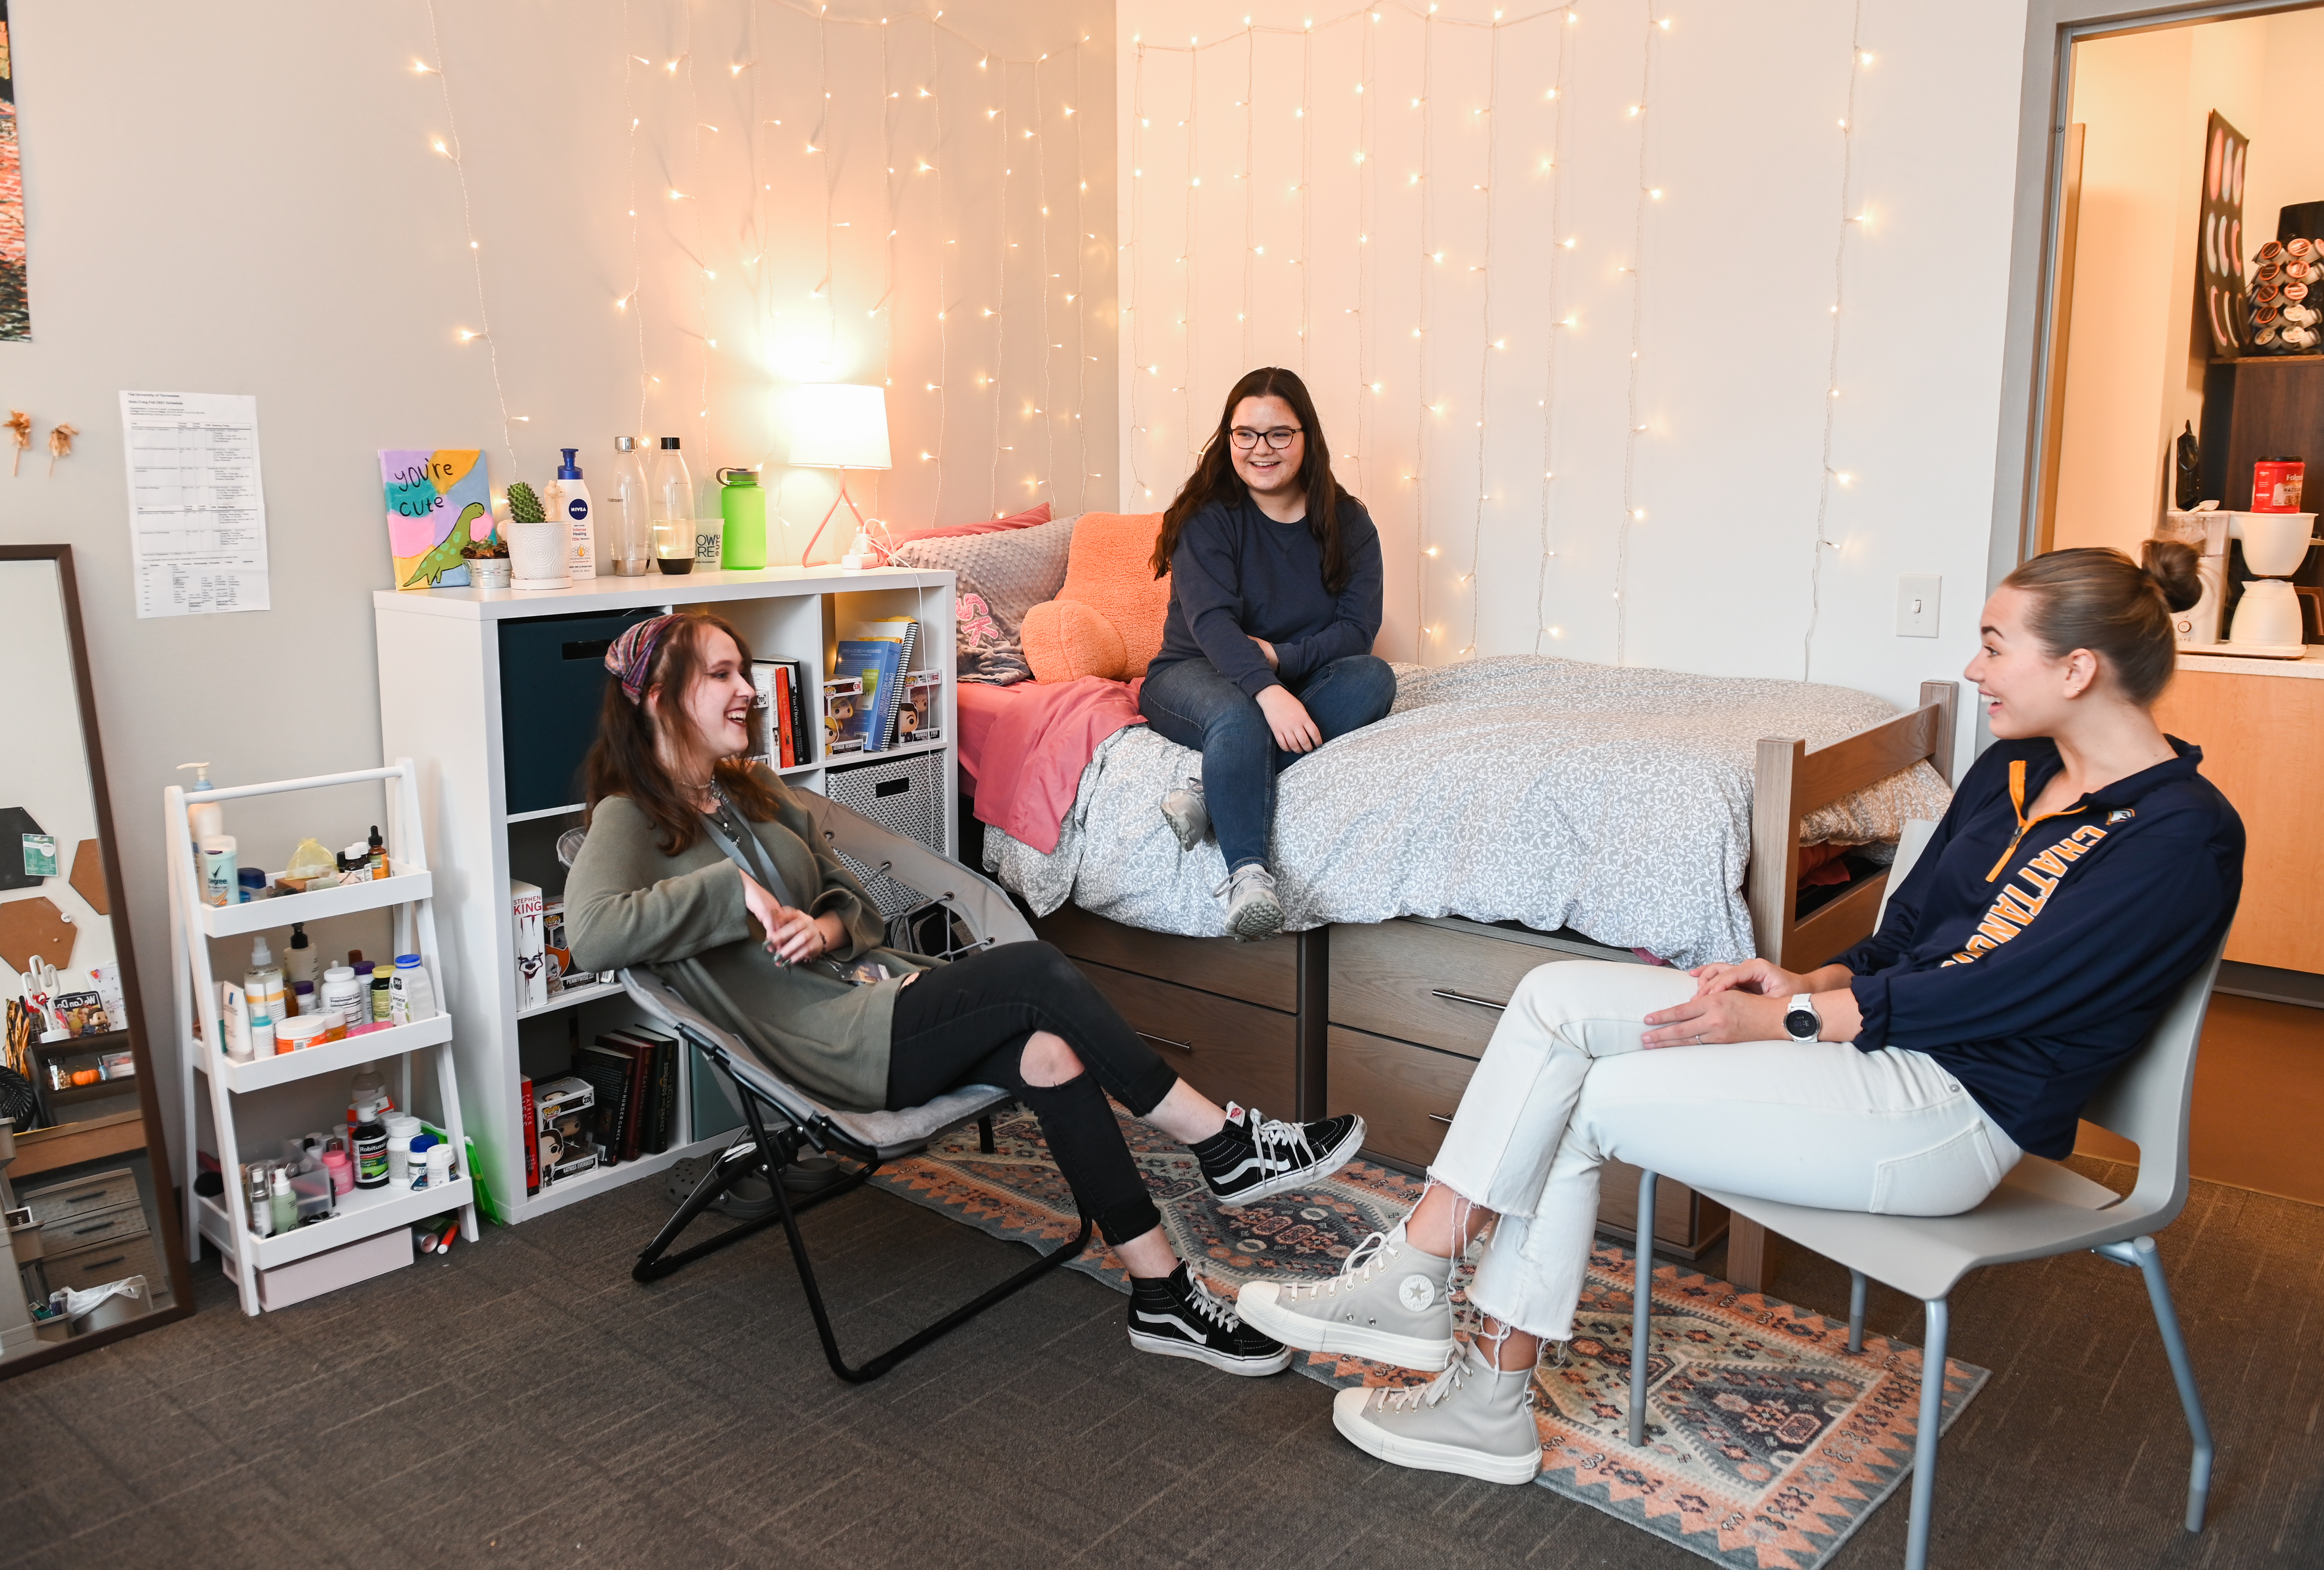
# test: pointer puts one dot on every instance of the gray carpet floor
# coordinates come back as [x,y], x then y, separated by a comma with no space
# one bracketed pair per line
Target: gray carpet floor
[524,1403]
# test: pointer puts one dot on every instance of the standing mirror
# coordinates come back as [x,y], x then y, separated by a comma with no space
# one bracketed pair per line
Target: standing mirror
[94,1250]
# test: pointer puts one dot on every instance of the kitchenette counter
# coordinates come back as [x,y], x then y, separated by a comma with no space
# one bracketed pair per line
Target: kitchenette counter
[2221,659]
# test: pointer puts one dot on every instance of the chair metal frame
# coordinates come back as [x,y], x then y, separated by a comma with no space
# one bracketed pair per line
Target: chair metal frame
[781,1121]
[2033,1212]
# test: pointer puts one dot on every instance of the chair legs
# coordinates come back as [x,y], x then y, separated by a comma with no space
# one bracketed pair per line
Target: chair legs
[1924,1443]
[1641,1310]
[2140,1253]
[1856,1285]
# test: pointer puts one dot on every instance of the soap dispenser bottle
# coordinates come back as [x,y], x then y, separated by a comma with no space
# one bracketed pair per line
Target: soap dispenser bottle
[209,818]
[580,521]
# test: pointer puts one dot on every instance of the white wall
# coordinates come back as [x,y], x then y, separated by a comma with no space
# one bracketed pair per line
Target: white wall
[1729,318]
[245,198]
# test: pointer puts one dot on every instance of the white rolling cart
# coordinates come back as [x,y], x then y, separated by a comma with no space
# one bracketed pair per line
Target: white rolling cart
[409,890]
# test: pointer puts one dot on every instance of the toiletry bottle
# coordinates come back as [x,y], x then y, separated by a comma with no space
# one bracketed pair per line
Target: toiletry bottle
[382,998]
[259,1195]
[672,509]
[743,506]
[286,1208]
[207,817]
[340,995]
[378,854]
[263,986]
[439,1166]
[221,879]
[371,1154]
[625,525]
[299,964]
[580,521]
[234,1021]
[300,1000]
[367,1095]
[413,998]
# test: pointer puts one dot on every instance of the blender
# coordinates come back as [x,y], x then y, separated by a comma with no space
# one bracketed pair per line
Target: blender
[2267,619]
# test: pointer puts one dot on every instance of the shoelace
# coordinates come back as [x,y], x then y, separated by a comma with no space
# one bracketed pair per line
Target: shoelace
[1210,1305]
[1282,1144]
[1412,1397]
[1365,1256]
[1238,875]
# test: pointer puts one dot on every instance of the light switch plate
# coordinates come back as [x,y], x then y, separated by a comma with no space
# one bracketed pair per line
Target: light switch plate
[1916,605]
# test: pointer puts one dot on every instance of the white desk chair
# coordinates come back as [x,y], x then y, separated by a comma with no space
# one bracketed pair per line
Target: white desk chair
[2040,1210]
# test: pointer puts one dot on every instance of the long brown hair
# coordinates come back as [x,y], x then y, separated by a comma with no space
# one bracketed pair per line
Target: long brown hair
[2094,597]
[626,760]
[1214,478]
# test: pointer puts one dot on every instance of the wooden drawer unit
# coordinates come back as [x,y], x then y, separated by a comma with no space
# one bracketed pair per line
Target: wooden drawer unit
[1407,1097]
[1267,974]
[109,1262]
[1228,1050]
[1442,986]
[92,1228]
[97,1191]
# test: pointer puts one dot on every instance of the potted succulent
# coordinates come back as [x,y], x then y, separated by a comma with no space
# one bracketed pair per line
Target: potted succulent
[536,553]
[488,561]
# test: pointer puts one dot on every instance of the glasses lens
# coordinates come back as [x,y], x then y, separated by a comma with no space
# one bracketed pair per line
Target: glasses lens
[1244,437]
[1278,438]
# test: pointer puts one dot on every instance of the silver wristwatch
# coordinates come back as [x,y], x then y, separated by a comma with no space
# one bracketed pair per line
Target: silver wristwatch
[1802,1020]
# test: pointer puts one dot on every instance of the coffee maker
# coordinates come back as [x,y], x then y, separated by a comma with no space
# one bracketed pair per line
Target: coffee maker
[2268,622]
[2207,529]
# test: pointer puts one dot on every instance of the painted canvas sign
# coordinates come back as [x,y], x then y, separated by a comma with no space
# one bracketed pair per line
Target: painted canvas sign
[15,313]
[437,502]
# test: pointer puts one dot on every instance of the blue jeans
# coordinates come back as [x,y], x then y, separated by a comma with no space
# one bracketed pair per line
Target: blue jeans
[1195,706]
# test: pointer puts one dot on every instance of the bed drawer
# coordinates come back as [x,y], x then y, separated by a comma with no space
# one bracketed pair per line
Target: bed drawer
[1227,1050]
[1267,974]
[1435,985]
[1407,1097]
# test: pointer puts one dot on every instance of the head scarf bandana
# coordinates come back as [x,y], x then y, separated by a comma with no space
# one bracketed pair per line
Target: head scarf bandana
[631,658]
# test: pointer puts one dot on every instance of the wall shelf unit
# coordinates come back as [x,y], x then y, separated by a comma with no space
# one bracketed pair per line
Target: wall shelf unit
[442,703]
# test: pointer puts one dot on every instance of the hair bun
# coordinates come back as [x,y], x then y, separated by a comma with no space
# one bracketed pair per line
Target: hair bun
[2171,565]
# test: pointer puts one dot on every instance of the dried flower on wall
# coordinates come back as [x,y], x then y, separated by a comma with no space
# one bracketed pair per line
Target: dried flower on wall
[60,438]
[20,429]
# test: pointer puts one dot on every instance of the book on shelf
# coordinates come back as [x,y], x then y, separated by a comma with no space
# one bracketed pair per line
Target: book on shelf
[920,716]
[904,633]
[877,663]
[607,1071]
[525,905]
[776,728]
[531,1128]
[657,1122]
[633,1139]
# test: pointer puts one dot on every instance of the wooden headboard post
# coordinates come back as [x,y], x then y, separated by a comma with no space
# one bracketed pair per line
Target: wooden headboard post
[1788,783]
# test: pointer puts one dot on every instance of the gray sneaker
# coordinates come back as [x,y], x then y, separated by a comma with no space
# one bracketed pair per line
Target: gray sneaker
[1388,1303]
[1473,1418]
[1252,910]
[1187,813]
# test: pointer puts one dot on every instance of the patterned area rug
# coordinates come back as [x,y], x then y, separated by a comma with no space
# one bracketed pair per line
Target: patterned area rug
[1769,1442]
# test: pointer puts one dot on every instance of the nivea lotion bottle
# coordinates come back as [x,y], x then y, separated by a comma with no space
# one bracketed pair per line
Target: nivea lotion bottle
[580,519]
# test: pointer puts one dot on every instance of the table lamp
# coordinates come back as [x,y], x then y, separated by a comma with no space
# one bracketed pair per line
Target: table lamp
[839,425]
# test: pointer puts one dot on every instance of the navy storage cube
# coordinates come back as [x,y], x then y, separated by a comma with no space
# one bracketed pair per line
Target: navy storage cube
[553,680]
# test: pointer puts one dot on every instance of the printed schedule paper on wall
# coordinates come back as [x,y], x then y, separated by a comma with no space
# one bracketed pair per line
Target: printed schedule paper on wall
[197,511]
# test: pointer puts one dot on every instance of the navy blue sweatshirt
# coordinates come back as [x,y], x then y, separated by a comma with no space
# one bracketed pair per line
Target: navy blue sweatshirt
[2029,958]
[1238,574]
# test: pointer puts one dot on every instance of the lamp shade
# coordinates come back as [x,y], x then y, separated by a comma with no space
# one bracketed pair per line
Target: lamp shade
[839,425]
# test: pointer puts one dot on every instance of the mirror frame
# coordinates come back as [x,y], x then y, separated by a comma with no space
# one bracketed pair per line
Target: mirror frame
[95,1140]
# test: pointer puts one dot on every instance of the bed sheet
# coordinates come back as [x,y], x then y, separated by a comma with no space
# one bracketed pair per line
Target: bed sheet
[1611,800]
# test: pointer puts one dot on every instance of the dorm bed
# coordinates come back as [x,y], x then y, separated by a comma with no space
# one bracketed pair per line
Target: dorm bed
[1508,813]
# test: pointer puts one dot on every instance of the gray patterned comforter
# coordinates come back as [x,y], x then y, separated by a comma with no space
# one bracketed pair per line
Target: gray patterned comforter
[1611,800]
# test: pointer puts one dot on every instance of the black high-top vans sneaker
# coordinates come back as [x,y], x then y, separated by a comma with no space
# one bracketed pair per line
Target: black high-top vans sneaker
[1178,1316]
[1255,1158]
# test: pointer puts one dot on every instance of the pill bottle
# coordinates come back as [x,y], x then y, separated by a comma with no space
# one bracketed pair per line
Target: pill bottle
[341,997]
[402,1128]
[383,997]
[371,1154]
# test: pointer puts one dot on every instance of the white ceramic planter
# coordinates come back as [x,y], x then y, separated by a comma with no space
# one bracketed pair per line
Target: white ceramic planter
[536,555]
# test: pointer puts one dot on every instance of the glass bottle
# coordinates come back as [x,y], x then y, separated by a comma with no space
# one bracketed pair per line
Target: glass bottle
[627,530]
[672,507]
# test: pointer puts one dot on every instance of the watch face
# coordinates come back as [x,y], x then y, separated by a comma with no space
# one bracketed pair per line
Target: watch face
[1803,1023]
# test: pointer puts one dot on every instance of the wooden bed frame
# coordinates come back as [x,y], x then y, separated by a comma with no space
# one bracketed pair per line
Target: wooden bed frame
[1404,1008]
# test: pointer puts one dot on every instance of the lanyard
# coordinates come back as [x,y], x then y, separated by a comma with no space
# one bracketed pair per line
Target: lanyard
[769,877]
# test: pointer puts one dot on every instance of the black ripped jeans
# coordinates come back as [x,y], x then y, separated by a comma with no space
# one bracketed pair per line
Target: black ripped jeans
[967,1023]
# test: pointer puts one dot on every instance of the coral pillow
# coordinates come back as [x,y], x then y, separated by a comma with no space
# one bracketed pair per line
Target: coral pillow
[1107,617]
[1039,513]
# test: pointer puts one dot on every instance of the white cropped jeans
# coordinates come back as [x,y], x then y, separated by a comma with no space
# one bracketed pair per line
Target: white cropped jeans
[1566,1085]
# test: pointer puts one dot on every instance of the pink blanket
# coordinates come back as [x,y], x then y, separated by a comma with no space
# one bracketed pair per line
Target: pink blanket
[1025,745]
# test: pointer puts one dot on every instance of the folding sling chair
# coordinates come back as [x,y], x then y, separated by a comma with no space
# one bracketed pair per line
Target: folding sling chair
[952,911]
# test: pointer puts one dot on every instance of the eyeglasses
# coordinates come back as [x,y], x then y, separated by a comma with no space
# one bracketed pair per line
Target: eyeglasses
[1278,438]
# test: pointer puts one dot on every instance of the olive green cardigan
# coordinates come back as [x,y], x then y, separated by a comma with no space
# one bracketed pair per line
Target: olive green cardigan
[627,904]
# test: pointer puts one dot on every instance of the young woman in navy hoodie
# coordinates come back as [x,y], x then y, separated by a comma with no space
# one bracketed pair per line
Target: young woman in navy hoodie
[1275,600]
[2083,871]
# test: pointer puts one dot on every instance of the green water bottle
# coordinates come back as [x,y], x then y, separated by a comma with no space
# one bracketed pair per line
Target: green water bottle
[743,506]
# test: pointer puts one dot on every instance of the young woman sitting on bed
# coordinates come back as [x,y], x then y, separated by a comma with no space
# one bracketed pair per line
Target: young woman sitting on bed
[1275,600]
[2084,870]
[706,865]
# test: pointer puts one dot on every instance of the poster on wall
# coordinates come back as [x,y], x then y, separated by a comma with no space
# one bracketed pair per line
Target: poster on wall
[2219,237]
[197,503]
[16,314]
[439,503]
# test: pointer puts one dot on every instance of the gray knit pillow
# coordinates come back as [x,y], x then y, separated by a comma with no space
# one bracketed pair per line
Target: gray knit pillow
[1001,576]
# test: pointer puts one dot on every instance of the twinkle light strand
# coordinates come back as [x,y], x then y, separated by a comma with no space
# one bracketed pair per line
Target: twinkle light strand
[1631,514]
[1048,348]
[1421,378]
[1079,298]
[452,150]
[630,302]
[1367,206]
[1857,61]
[1565,50]
[1001,286]
[1186,271]
[1306,181]
[1136,249]
[1250,246]
[1485,326]
[946,304]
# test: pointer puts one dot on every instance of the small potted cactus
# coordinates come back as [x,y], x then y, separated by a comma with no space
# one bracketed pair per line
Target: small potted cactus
[536,551]
[488,561]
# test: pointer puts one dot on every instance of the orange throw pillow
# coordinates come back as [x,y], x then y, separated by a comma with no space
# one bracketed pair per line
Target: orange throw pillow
[1107,617]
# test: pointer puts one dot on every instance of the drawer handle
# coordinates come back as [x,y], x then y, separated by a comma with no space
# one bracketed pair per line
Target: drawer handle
[102,1264]
[77,1199]
[1166,1041]
[1464,997]
[100,1226]
[1440,1117]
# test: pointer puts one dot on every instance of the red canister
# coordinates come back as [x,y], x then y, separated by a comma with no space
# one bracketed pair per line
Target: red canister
[2275,484]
